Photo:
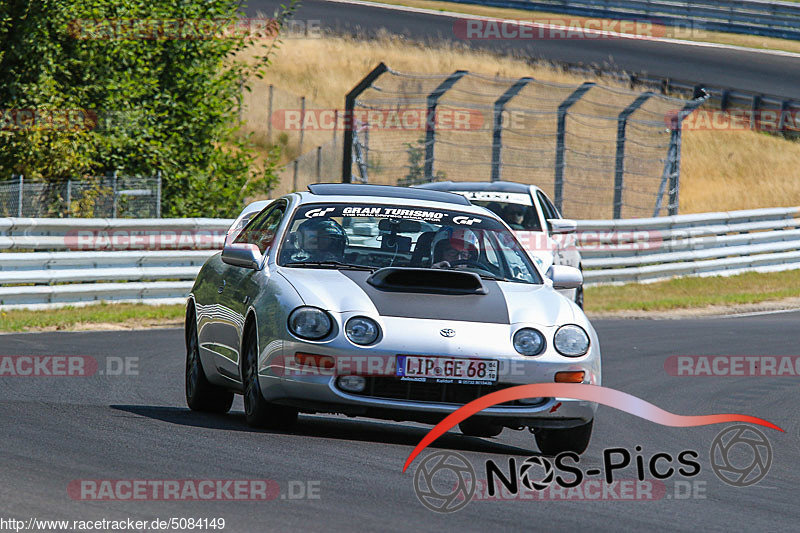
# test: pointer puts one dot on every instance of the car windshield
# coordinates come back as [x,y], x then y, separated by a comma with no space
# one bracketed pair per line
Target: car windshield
[374,236]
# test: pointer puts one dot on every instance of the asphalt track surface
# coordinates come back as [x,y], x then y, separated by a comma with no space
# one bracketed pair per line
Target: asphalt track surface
[54,430]
[743,70]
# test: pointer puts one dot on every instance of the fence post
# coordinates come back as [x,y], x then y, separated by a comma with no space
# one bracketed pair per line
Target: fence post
[241,96]
[558,182]
[69,195]
[497,134]
[302,123]
[114,205]
[349,105]
[294,178]
[158,194]
[672,166]
[335,124]
[19,195]
[619,170]
[319,163]
[782,120]
[430,119]
[269,116]
[756,105]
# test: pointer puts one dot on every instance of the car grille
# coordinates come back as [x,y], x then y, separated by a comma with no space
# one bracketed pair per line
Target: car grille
[391,388]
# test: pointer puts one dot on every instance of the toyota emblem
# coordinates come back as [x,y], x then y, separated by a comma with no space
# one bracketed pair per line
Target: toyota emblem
[447,332]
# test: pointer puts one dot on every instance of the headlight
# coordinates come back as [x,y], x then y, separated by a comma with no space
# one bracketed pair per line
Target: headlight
[571,340]
[528,341]
[310,323]
[362,330]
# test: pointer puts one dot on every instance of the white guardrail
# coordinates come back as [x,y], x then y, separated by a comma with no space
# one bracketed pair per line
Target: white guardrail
[81,261]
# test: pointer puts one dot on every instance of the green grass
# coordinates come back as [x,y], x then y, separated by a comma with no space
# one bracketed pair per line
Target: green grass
[688,293]
[69,317]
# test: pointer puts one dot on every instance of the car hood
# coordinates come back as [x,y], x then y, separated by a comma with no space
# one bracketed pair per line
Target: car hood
[504,303]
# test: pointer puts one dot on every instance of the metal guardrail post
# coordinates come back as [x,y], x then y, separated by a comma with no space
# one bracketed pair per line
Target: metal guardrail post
[558,181]
[349,105]
[430,119]
[497,133]
[619,170]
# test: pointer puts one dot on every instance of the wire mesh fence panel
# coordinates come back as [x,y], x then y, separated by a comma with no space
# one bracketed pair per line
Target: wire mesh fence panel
[599,152]
[106,197]
[320,164]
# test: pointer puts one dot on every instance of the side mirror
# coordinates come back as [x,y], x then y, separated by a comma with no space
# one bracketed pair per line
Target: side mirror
[243,255]
[563,225]
[565,277]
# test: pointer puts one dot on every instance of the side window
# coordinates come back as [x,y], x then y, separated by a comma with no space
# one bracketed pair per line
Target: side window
[261,230]
[548,209]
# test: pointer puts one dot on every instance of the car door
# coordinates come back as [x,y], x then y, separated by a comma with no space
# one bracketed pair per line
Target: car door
[239,286]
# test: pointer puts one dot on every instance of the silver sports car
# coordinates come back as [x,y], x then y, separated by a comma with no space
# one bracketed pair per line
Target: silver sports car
[386,302]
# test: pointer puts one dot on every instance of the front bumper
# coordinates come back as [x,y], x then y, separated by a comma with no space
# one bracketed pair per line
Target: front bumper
[317,391]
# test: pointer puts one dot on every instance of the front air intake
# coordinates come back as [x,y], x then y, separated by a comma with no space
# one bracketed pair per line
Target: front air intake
[427,280]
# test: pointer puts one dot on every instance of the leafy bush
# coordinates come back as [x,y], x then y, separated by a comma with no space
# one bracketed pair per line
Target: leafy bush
[139,105]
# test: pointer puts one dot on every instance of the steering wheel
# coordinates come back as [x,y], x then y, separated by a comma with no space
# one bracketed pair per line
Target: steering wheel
[473,264]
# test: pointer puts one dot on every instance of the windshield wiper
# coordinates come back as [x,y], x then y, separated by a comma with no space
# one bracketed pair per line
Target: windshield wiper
[328,264]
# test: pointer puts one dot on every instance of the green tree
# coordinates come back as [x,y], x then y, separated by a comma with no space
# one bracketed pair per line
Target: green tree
[139,104]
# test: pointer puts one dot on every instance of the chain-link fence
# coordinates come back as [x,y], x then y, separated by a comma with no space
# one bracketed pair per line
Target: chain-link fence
[105,197]
[598,151]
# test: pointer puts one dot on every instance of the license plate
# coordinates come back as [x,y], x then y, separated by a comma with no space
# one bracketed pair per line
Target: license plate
[446,369]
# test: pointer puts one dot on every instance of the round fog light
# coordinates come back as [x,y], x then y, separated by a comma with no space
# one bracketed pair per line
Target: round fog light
[352,383]
[531,401]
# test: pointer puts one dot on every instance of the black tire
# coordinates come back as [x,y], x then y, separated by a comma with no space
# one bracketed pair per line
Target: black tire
[259,412]
[552,442]
[200,394]
[479,428]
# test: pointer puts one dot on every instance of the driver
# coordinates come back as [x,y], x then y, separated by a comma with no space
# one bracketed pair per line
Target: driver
[455,247]
[514,216]
[319,240]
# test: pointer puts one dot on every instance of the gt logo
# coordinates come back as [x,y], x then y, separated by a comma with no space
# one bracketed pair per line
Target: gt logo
[319,212]
[447,332]
[465,220]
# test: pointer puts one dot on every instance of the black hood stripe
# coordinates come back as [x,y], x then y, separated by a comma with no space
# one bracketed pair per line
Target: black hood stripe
[491,307]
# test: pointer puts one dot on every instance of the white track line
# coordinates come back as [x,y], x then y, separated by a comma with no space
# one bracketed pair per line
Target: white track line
[456,15]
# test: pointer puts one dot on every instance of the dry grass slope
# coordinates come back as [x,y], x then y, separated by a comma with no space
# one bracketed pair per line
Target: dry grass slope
[721,170]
